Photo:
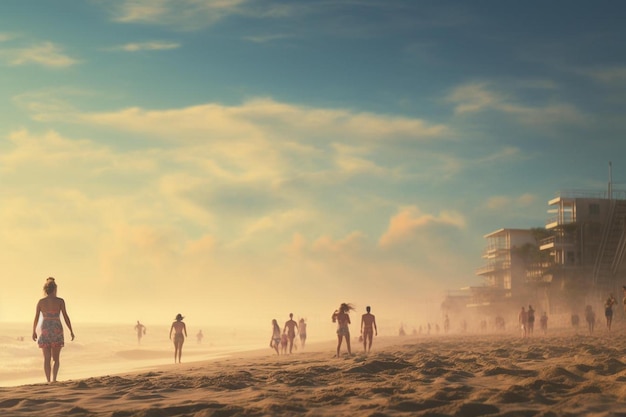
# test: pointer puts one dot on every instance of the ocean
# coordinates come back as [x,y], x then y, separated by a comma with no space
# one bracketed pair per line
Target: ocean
[106,349]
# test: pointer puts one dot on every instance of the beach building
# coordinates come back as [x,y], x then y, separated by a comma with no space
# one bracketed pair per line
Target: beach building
[586,247]
[576,259]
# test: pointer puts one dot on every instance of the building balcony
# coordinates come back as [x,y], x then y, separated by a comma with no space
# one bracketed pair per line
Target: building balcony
[556,242]
[562,220]
[493,268]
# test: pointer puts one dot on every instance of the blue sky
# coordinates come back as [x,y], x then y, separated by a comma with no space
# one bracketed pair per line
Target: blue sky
[261,157]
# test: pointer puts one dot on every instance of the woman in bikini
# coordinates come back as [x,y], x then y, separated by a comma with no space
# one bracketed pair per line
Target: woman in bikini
[276,337]
[180,332]
[51,339]
[342,318]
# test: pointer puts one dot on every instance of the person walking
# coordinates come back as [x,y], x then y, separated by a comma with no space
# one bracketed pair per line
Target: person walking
[51,339]
[180,333]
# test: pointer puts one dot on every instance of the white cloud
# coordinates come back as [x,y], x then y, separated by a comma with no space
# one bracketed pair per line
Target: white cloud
[259,116]
[46,54]
[409,222]
[497,203]
[181,14]
[473,97]
[146,46]
[266,38]
[479,97]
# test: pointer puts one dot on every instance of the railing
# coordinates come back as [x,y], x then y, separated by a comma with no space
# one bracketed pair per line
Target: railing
[615,194]
[556,240]
[605,236]
[501,266]
[568,218]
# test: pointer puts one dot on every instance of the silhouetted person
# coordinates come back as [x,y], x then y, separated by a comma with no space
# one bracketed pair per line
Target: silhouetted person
[199,336]
[608,311]
[523,321]
[51,339]
[368,326]
[180,333]
[290,328]
[446,324]
[275,340]
[590,318]
[141,330]
[284,342]
[531,320]
[342,318]
[302,332]
[543,322]
[575,321]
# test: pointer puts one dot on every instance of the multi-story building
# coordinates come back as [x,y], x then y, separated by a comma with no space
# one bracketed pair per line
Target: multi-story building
[587,247]
[509,253]
[577,259]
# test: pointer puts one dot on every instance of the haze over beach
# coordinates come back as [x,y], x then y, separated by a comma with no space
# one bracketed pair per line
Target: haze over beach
[237,160]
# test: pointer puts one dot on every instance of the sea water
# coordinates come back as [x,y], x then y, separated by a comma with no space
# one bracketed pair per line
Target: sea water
[106,349]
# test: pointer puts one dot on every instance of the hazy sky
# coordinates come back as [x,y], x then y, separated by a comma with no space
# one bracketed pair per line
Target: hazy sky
[239,160]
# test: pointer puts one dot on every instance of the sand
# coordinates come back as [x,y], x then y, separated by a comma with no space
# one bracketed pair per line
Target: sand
[462,375]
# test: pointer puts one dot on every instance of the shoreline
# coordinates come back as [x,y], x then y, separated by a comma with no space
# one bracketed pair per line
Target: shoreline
[502,375]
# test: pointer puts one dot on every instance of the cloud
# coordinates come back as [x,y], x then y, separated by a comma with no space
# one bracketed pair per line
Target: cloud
[615,75]
[180,14]
[481,97]
[262,115]
[497,203]
[5,37]
[266,38]
[46,54]
[146,46]
[409,222]
[473,97]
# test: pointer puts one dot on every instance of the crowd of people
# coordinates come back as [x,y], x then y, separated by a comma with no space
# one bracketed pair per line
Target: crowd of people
[51,338]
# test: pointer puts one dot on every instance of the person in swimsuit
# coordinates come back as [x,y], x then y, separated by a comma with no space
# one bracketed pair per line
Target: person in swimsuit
[275,340]
[368,325]
[342,318]
[180,332]
[608,311]
[291,326]
[141,330]
[531,320]
[51,339]
[302,332]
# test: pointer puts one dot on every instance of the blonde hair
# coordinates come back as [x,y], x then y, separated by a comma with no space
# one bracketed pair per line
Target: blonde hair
[346,307]
[50,286]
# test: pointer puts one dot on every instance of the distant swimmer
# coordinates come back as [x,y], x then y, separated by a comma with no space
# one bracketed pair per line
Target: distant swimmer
[302,332]
[341,316]
[141,330]
[290,328]
[368,327]
[275,340]
[51,339]
[180,333]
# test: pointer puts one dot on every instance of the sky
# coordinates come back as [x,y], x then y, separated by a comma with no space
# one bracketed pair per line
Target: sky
[237,160]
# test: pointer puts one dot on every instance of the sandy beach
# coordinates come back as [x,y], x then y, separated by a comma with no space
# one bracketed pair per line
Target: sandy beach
[501,375]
